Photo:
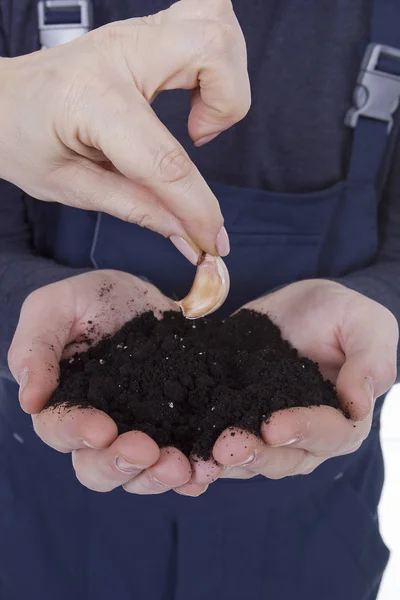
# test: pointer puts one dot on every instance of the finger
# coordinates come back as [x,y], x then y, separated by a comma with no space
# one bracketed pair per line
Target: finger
[87,185]
[205,472]
[322,430]
[192,489]
[277,463]
[127,457]
[163,167]
[237,473]
[371,355]
[171,470]
[223,96]
[67,429]
[274,463]
[236,447]
[36,350]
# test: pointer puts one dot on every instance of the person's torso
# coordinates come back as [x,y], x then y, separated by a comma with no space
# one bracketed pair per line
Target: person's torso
[302,64]
[279,174]
[296,190]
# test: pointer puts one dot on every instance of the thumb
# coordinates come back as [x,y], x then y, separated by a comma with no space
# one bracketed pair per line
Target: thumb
[370,347]
[36,349]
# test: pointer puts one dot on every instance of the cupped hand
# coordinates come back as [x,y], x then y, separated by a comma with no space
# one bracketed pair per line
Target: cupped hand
[51,319]
[77,126]
[354,340]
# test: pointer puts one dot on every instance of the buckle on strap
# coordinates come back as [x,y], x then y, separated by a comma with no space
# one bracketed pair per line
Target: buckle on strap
[377,92]
[61,21]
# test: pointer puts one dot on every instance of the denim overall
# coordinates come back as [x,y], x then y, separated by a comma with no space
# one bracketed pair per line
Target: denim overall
[311,538]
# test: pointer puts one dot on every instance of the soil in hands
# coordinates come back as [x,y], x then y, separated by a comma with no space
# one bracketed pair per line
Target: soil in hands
[184,382]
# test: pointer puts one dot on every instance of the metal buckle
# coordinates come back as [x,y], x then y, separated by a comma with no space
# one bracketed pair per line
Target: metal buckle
[377,93]
[72,18]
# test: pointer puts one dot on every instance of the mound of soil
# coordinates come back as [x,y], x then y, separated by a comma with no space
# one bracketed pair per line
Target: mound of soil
[183,382]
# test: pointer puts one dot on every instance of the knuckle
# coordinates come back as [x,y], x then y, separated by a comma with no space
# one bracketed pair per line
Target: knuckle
[219,39]
[173,166]
[108,34]
[108,44]
[218,9]
[239,108]
[136,215]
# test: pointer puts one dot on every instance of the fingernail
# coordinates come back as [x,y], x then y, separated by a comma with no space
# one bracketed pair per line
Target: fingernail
[249,460]
[85,443]
[23,382]
[183,494]
[205,139]
[288,443]
[192,495]
[126,467]
[158,482]
[185,249]
[369,385]
[223,245]
[23,378]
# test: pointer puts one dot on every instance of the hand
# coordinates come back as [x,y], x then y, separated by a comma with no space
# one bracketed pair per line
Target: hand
[53,317]
[354,340]
[77,127]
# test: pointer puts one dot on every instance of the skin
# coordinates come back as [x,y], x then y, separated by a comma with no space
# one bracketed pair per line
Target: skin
[91,139]
[102,459]
[353,338]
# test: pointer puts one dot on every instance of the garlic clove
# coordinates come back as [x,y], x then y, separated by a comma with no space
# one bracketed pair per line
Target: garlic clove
[209,290]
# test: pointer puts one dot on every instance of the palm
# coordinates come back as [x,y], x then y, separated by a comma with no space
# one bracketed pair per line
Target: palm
[99,303]
[310,314]
[57,321]
[354,340]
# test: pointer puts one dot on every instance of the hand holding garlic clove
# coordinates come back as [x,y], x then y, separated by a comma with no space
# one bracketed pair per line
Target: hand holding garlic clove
[209,290]
[90,137]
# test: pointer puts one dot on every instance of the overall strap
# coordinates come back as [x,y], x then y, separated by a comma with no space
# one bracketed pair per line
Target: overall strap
[376,97]
[62,21]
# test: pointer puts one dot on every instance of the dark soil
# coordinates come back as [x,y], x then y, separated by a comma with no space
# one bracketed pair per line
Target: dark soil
[183,382]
